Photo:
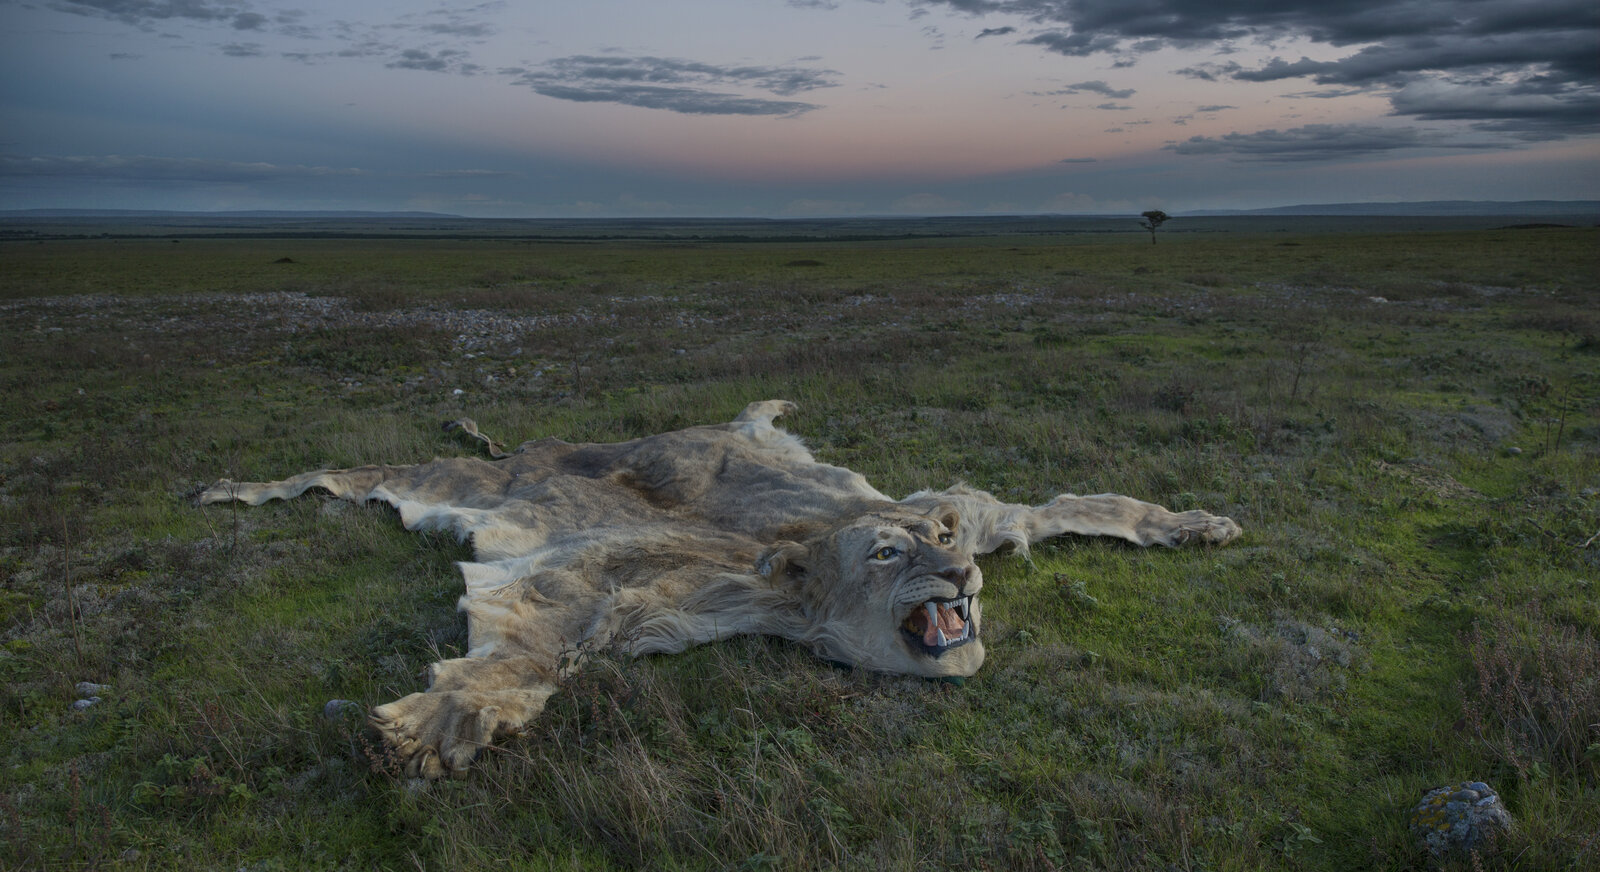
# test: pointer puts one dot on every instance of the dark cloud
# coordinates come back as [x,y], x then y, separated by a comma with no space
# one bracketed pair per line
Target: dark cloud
[144,12]
[473,174]
[1078,160]
[1569,52]
[467,22]
[1532,110]
[1316,142]
[783,81]
[689,101]
[441,61]
[995,31]
[1098,87]
[1217,107]
[160,169]
[1488,47]
[1210,72]
[474,29]
[690,87]
[1074,44]
[361,40]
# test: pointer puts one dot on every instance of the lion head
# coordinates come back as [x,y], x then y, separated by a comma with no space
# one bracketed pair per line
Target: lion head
[887,591]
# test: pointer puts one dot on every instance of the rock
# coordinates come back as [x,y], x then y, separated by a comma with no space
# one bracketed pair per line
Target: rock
[87,689]
[1463,818]
[338,709]
[79,705]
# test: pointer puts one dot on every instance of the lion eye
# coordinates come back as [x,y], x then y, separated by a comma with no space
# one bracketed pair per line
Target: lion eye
[885,553]
[945,538]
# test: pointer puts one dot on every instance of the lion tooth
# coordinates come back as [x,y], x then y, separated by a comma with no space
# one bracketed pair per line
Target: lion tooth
[942,640]
[933,613]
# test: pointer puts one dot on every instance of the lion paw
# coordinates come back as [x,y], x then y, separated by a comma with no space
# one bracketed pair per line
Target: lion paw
[221,492]
[1198,527]
[435,734]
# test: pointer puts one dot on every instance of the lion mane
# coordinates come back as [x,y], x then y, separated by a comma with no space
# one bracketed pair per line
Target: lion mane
[672,540]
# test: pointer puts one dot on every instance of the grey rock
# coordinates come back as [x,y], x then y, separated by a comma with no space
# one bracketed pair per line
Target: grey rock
[79,705]
[87,689]
[338,709]
[1459,819]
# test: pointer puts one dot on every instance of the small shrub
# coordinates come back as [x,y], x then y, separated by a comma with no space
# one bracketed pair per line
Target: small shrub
[1535,702]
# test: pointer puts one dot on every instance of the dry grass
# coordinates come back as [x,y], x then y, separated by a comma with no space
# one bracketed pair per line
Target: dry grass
[1535,698]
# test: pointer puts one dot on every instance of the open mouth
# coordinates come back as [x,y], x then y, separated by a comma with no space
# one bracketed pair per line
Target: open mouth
[938,625]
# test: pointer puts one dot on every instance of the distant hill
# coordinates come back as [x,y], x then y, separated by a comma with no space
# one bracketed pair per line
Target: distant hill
[163,213]
[1428,208]
[1437,208]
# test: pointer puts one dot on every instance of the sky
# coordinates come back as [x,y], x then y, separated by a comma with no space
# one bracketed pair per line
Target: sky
[794,108]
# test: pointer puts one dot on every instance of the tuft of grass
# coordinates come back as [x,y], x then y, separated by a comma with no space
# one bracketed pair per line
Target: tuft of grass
[1534,698]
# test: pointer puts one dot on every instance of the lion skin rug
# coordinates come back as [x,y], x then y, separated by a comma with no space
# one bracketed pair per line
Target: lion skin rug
[672,540]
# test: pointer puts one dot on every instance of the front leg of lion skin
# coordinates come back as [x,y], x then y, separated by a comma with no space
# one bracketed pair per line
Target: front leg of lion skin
[991,524]
[469,703]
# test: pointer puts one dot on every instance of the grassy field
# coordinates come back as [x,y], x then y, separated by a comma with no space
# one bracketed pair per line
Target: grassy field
[1406,425]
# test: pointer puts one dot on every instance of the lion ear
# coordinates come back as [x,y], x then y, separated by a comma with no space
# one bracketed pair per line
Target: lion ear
[947,515]
[782,560]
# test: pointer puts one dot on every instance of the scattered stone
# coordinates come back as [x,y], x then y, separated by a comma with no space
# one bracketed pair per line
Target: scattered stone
[79,705]
[338,709]
[87,689]
[1467,817]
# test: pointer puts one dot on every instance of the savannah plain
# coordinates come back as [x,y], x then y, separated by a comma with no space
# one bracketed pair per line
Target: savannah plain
[1405,421]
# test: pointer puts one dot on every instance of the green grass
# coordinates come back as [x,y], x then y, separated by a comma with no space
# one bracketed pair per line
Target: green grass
[1412,603]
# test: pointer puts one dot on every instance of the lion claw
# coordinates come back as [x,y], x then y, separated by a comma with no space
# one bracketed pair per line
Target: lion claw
[436,734]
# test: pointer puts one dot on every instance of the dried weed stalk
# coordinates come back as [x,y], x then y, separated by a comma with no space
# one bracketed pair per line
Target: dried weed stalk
[1535,703]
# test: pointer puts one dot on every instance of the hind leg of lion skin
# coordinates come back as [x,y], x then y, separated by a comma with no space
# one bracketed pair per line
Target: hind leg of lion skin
[468,704]
[351,484]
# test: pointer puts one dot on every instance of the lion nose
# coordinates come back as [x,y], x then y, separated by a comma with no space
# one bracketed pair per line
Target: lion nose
[958,576]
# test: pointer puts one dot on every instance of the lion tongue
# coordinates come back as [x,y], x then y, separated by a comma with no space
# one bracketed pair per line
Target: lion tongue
[941,617]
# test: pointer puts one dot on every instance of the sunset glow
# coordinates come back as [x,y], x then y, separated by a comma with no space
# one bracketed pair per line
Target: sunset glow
[623,107]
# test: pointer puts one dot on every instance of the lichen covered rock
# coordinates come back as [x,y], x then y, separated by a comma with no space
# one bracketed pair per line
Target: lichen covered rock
[1464,818]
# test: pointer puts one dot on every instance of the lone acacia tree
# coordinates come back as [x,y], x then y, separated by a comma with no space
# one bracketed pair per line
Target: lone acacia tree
[1152,220]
